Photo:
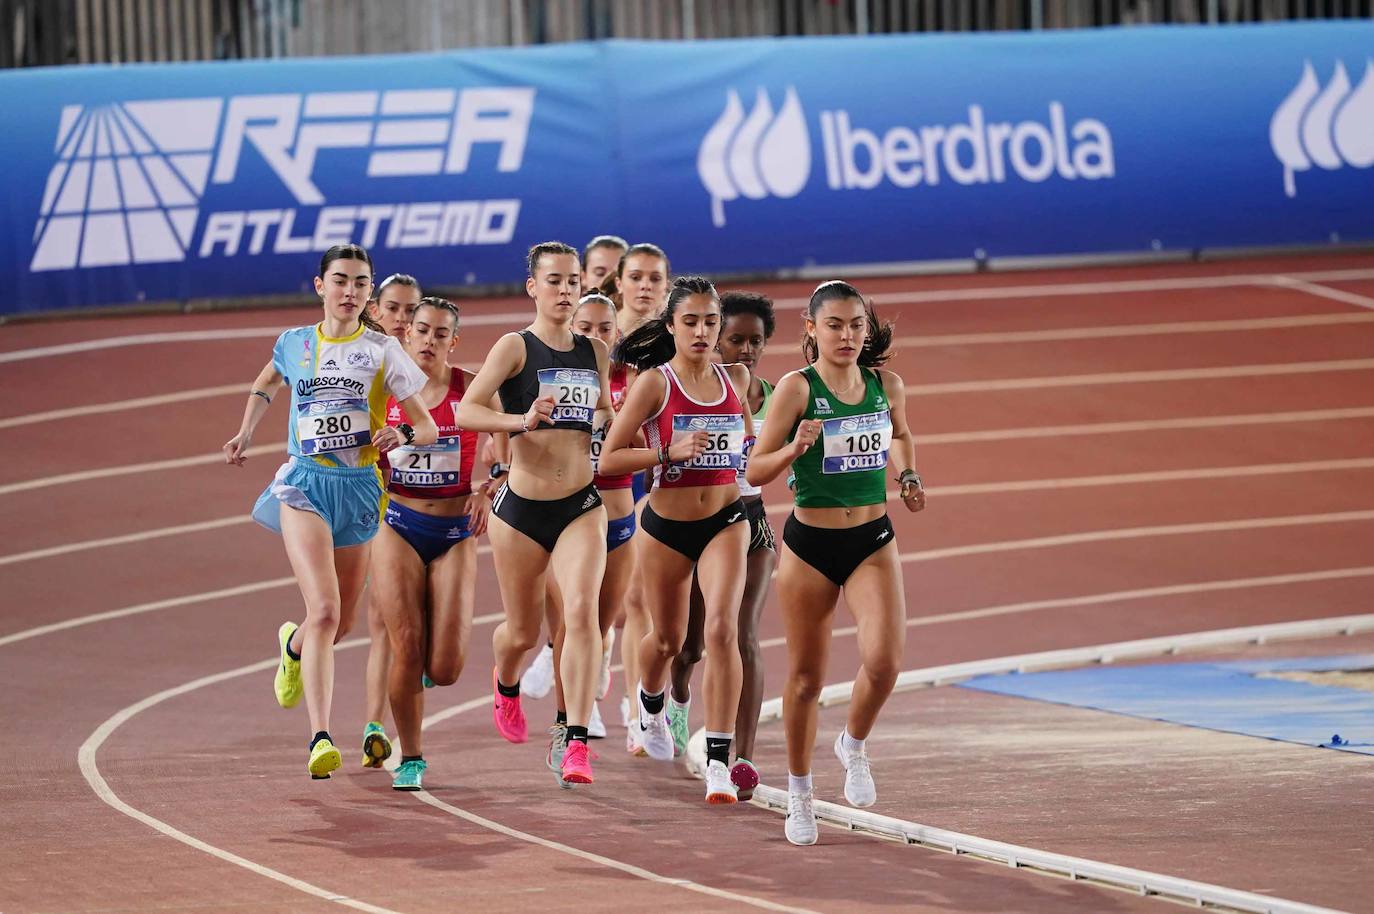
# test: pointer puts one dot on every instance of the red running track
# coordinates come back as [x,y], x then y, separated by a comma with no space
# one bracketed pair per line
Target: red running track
[1103,447]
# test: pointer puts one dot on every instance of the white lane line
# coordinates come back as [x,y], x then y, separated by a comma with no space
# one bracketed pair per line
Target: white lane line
[1000,434]
[215,336]
[199,393]
[1350,298]
[1124,533]
[1141,377]
[980,488]
[129,469]
[86,758]
[1127,330]
[1141,882]
[1143,425]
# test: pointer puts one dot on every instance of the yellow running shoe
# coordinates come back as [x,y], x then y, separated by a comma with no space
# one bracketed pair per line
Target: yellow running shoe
[324,758]
[288,679]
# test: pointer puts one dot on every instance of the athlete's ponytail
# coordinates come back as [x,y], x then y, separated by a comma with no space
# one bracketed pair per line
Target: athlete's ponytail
[652,343]
[878,338]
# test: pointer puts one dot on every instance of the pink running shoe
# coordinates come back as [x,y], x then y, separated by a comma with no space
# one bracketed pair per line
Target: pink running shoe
[507,714]
[745,777]
[577,763]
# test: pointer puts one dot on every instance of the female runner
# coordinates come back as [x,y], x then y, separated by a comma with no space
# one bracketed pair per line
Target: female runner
[424,562]
[548,515]
[748,325]
[340,371]
[595,317]
[839,423]
[392,304]
[695,421]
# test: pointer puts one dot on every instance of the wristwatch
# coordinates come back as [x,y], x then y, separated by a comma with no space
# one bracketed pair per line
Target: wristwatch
[407,432]
[498,470]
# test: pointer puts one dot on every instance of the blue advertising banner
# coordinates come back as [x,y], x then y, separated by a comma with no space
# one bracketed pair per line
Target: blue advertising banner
[211,180]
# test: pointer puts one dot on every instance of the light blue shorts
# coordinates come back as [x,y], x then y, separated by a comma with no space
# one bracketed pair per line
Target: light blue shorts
[349,499]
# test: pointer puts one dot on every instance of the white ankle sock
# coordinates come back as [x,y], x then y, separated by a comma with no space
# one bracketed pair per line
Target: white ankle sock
[851,745]
[798,783]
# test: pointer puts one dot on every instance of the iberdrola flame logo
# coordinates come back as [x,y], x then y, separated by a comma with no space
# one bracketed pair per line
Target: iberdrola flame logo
[756,155]
[1329,127]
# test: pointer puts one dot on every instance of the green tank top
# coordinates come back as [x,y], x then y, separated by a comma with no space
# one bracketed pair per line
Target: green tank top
[847,465]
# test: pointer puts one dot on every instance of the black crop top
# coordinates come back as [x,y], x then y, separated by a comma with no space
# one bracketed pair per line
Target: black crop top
[570,377]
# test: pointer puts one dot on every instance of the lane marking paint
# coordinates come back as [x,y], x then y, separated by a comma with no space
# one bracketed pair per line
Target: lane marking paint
[982,488]
[199,393]
[1128,330]
[1000,434]
[86,758]
[1142,882]
[1340,295]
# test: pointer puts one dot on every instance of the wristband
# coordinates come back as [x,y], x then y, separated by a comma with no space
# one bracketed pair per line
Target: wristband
[663,456]
[909,476]
[406,432]
[258,393]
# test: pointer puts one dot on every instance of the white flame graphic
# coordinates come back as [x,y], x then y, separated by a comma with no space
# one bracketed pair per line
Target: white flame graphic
[756,155]
[1328,127]
[1354,130]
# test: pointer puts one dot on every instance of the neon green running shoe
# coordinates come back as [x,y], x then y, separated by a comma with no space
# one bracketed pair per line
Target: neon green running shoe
[324,758]
[376,746]
[409,775]
[677,725]
[288,679]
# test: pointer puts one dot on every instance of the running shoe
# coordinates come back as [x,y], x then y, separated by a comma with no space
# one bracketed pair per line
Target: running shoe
[409,775]
[859,788]
[801,819]
[577,764]
[288,679]
[654,735]
[324,758]
[677,724]
[596,727]
[537,680]
[745,777]
[376,747]
[507,714]
[558,747]
[719,788]
[604,683]
[625,713]
[632,744]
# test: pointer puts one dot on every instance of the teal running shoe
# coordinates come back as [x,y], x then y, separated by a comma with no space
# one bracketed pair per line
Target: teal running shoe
[376,745]
[409,775]
[677,725]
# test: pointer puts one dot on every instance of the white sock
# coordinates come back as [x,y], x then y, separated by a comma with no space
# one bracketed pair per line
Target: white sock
[798,783]
[851,745]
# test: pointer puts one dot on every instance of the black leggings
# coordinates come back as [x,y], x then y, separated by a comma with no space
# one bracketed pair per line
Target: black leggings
[543,521]
[691,537]
[836,553]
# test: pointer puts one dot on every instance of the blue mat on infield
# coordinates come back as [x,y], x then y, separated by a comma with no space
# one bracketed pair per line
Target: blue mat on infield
[1217,696]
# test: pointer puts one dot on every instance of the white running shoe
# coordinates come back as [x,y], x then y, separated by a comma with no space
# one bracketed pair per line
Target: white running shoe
[596,727]
[632,744]
[537,680]
[625,713]
[719,788]
[655,737]
[859,788]
[801,819]
[603,685]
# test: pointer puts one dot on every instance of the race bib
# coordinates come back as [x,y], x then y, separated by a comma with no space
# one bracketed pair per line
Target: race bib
[574,391]
[749,446]
[427,465]
[724,444]
[856,443]
[598,441]
[332,425]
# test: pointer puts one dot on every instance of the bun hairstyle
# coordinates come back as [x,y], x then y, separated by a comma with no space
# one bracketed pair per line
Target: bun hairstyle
[352,252]
[610,287]
[547,247]
[877,340]
[652,343]
[439,304]
[395,279]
